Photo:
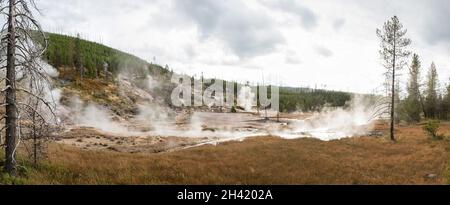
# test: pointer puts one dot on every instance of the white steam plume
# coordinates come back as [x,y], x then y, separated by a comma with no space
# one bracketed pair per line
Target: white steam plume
[246,98]
[336,123]
[92,115]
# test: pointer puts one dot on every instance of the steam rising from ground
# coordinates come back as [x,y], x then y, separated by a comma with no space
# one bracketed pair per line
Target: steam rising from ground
[246,98]
[329,124]
[45,94]
[356,119]
[95,116]
[156,117]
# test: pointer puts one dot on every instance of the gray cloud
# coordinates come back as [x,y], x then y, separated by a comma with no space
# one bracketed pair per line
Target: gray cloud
[62,15]
[307,17]
[428,18]
[169,29]
[73,15]
[323,51]
[338,24]
[293,60]
[436,27]
[247,32]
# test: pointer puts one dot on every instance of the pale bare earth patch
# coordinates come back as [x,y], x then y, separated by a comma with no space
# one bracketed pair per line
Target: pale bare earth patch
[93,139]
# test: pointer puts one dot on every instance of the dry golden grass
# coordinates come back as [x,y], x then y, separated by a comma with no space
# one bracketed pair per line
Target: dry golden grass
[264,160]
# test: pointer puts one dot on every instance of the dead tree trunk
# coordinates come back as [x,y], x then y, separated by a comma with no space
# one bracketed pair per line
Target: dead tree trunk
[422,104]
[21,50]
[11,109]
[34,133]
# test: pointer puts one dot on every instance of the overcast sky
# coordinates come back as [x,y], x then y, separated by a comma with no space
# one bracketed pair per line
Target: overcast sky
[289,42]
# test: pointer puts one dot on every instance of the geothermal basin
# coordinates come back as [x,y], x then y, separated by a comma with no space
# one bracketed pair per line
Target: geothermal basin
[191,129]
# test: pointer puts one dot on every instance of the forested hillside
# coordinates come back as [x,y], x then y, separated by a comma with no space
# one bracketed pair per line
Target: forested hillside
[75,52]
[305,99]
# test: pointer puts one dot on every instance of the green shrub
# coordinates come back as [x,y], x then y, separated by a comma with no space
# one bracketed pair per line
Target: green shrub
[6,179]
[432,128]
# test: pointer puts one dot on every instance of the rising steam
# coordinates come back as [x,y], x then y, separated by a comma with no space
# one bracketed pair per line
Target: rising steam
[92,115]
[329,124]
[356,119]
[246,98]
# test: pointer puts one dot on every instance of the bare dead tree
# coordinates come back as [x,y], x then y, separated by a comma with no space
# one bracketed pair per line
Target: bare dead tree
[105,70]
[379,103]
[79,57]
[393,53]
[36,118]
[23,42]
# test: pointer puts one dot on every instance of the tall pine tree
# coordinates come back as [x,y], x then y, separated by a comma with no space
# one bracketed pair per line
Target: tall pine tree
[446,103]
[394,51]
[431,98]
[413,102]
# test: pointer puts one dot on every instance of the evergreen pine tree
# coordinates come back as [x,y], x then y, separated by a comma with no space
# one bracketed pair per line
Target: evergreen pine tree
[413,103]
[431,98]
